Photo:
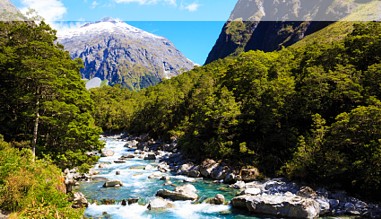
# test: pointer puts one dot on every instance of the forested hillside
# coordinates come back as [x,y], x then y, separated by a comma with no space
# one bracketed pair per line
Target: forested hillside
[46,118]
[310,112]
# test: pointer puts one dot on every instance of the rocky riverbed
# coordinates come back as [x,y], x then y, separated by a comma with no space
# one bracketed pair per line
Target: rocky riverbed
[138,177]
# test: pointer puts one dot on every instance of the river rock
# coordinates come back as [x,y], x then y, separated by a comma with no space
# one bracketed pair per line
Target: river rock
[249,174]
[251,191]
[159,204]
[217,200]
[169,147]
[278,205]
[131,144]
[181,193]
[119,161]
[230,178]
[131,201]
[307,192]
[112,183]
[98,178]
[184,169]
[194,173]
[163,167]
[107,153]
[150,156]
[79,200]
[325,207]
[128,156]
[207,167]
[239,185]
[220,172]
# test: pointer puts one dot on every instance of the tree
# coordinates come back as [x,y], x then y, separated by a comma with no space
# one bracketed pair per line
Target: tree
[43,99]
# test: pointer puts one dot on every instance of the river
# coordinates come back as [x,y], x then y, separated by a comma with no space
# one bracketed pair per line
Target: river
[136,184]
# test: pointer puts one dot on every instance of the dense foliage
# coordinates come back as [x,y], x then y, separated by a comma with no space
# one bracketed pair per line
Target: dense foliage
[43,102]
[34,189]
[310,112]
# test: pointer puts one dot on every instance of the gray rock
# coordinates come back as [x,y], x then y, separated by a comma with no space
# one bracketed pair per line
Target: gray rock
[207,167]
[150,156]
[185,168]
[112,183]
[239,185]
[79,200]
[249,174]
[194,173]
[107,153]
[159,204]
[217,200]
[280,206]
[307,192]
[230,178]
[131,201]
[220,172]
[181,193]
[325,207]
[251,191]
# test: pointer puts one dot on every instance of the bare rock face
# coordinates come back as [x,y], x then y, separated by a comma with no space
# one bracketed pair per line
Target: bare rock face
[288,205]
[122,54]
[270,25]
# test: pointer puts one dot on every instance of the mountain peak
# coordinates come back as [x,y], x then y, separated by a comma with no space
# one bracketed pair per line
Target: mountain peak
[106,26]
[122,54]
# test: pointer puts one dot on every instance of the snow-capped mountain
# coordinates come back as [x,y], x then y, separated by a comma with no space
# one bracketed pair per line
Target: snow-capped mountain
[122,54]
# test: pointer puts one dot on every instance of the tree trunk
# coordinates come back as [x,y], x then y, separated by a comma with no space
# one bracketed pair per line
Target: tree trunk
[36,122]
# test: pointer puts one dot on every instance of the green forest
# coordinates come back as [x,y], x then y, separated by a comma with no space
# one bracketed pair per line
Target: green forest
[311,112]
[46,121]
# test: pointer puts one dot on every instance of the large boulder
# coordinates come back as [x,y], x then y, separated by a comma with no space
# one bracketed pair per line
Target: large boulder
[150,156]
[107,153]
[289,205]
[79,200]
[181,193]
[220,172]
[112,183]
[249,174]
[159,204]
[131,144]
[184,169]
[217,200]
[207,167]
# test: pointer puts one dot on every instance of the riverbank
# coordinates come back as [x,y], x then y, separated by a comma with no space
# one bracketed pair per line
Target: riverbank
[143,162]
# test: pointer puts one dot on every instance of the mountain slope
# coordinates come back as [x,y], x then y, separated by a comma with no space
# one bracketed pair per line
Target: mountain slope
[269,25]
[122,54]
[8,12]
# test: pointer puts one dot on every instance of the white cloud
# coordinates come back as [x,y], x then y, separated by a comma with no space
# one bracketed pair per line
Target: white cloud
[50,10]
[94,4]
[192,7]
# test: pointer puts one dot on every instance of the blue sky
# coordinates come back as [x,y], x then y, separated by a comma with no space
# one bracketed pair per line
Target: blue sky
[192,25]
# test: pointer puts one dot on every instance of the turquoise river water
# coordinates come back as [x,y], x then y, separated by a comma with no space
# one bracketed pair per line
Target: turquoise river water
[136,184]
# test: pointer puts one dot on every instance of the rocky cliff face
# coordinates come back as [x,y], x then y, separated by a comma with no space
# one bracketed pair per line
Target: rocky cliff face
[270,24]
[8,12]
[122,54]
